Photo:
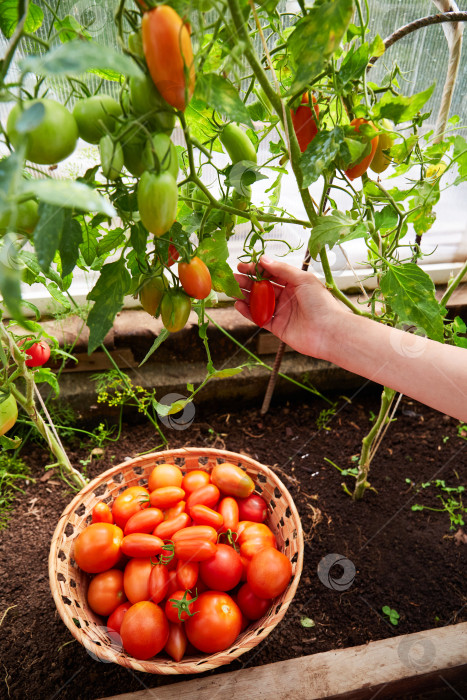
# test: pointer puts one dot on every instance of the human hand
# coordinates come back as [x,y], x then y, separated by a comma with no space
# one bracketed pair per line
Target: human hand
[305,310]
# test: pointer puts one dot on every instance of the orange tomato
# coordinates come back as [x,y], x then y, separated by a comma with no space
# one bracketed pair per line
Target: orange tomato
[232,480]
[194,480]
[168,528]
[166,497]
[144,630]
[144,521]
[357,169]
[105,592]
[165,475]
[97,547]
[229,510]
[136,579]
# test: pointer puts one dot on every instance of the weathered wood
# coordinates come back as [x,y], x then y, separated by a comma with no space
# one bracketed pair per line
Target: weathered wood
[382,669]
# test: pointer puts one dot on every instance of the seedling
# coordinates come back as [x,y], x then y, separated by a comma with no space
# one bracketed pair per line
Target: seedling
[391,614]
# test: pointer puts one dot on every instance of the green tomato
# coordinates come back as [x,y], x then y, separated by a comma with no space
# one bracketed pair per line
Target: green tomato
[190,191]
[175,309]
[135,44]
[157,201]
[133,145]
[95,116]
[111,154]
[151,294]
[237,144]
[8,414]
[166,154]
[148,103]
[52,140]
[25,221]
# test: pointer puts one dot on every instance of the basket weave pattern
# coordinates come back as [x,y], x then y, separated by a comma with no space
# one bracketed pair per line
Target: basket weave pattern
[69,584]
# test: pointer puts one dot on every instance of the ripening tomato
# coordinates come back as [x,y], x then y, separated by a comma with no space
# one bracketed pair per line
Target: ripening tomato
[169,55]
[253,537]
[165,475]
[251,606]
[228,508]
[140,544]
[173,255]
[194,549]
[132,500]
[357,169]
[187,574]
[304,122]
[203,515]
[116,618]
[38,352]
[151,295]
[177,641]
[380,160]
[223,571]
[97,547]
[136,579]
[105,592]
[176,612]
[194,479]
[144,630]
[175,309]
[269,573]
[206,495]
[232,480]
[158,583]
[144,521]
[96,116]
[166,496]
[215,624]
[262,302]
[168,528]
[101,513]
[254,508]
[8,413]
[195,278]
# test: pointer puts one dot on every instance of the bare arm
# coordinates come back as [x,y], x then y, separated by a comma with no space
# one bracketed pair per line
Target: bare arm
[310,320]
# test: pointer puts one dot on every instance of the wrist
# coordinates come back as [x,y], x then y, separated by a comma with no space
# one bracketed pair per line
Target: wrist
[335,336]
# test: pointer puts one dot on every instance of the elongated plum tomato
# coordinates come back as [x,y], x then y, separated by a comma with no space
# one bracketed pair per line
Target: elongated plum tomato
[144,521]
[357,169]
[216,622]
[157,201]
[101,513]
[237,144]
[177,641]
[136,579]
[151,294]
[304,123]
[144,630]
[105,592]
[55,136]
[175,309]
[8,414]
[97,547]
[169,55]
[262,302]
[380,160]
[231,480]
[195,278]
[148,103]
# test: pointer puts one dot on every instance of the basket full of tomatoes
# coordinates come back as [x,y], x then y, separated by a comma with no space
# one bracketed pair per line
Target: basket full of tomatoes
[177,562]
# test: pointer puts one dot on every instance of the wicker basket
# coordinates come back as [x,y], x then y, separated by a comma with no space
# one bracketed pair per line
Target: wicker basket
[69,584]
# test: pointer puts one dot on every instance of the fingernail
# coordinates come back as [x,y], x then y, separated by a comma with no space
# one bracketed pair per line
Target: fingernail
[265,259]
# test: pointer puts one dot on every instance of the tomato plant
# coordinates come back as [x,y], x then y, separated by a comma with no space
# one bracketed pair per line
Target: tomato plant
[151,294]
[262,302]
[380,161]
[105,592]
[215,623]
[195,278]
[97,547]
[144,630]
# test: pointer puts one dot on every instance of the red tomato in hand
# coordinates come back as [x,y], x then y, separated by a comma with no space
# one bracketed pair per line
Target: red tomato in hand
[262,302]
[165,475]
[216,622]
[97,547]
[172,608]
[38,353]
[232,480]
[253,508]
[101,513]
[195,278]
[357,169]
[223,571]
[269,573]
[132,500]
[105,592]
[304,123]
[144,630]
[251,606]
[136,579]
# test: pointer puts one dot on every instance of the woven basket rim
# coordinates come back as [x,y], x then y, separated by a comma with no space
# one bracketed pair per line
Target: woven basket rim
[188,664]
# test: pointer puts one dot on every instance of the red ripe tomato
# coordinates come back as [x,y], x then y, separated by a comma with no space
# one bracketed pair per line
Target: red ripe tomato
[166,497]
[196,532]
[229,510]
[194,480]
[187,574]
[144,521]
[97,547]
[357,169]
[262,302]
[202,515]
[132,500]
[136,579]
[144,630]
[216,622]
[105,592]
[165,475]
[269,573]
[194,550]
[101,513]
[253,508]
[173,255]
[177,641]
[175,510]
[116,618]
[253,537]
[174,605]
[195,278]
[140,544]
[168,528]
[231,480]
[38,353]
[206,495]
[158,583]
[224,571]
[169,55]
[251,606]
[304,123]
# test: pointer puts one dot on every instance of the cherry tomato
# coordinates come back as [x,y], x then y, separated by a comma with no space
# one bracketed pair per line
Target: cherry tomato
[177,641]
[97,547]
[168,528]
[251,606]
[174,511]
[269,573]
[215,624]
[158,583]
[132,500]
[172,610]
[144,521]
[8,413]
[202,515]
[175,309]
[151,295]
[253,508]
[195,278]
[169,55]
[357,169]
[136,579]
[116,618]
[199,532]
[165,475]
[223,571]
[254,537]
[144,630]
[206,495]
[105,592]
[101,513]
[194,550]
[304,123]
[231,480]
[38,353]
[194,480]
[166,497]
[95,116]
[141,545]
[228,508]
[262,302]
[157,201]
[187,574]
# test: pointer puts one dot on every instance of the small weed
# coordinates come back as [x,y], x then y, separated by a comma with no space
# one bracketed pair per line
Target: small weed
[12,469]
[451,499]
[391,614]
[325,416]
[462,431]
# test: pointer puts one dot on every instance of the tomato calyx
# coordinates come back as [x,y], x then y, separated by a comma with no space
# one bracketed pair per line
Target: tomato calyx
[167,554]
[184,605]
[230,537]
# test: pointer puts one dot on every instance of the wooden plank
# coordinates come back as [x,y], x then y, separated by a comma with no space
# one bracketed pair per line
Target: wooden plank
[378,668]
[98,361]
[268,344]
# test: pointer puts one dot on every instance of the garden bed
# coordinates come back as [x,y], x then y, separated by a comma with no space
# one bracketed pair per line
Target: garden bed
[406,560]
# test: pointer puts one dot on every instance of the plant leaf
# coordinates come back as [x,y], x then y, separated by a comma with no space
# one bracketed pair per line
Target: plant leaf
[320,153]
[222,95]
[331,229]
[214,252]
[9,17]
[69,194]
[108,293]
[401,109]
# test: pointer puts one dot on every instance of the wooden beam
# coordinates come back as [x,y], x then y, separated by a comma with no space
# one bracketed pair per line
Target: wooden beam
[381,669]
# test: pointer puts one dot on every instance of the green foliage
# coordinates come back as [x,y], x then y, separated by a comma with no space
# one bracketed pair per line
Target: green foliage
[392,615]
[450,497]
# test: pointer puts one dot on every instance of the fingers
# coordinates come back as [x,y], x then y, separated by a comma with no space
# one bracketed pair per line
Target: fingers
[243,308]
[279,272]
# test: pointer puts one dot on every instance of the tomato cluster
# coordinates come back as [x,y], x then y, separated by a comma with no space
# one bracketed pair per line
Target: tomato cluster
[189,560]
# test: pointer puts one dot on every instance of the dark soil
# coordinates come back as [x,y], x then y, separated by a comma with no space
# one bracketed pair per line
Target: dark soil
[404,559]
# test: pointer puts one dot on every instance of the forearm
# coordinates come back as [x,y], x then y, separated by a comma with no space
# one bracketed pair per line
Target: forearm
[428,371]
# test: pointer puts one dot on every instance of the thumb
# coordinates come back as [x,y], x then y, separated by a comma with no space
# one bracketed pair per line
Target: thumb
[282,273]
